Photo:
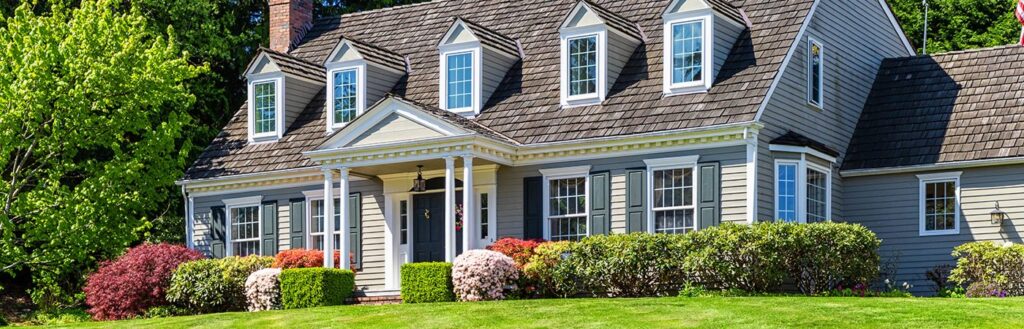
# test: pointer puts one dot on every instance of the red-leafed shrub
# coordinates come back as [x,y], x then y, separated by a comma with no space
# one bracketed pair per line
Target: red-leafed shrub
[519,250]
[300,258]
[136,281]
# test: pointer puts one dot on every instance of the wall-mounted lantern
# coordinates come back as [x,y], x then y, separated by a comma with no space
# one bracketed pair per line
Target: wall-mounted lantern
[998,215]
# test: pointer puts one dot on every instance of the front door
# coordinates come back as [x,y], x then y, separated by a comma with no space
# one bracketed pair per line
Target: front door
[428,228]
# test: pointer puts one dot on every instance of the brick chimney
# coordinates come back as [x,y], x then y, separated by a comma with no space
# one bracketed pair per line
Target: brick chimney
[289,20]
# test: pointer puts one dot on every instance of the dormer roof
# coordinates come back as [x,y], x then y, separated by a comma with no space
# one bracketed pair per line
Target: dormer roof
[608,17]
[727,10]
[267,59]
[485,36]
[371,53]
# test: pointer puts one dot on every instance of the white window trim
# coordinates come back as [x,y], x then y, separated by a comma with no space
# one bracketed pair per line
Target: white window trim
[229,204]
[278,79]
[924,179]
[683,162]
[563,173]
[492,213]
[802,165]
[472,47]
[821,74]
[600,33]
[708,48]
[360,67]
[317,195]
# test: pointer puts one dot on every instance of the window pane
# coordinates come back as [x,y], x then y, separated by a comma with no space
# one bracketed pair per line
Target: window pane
[786,188]
[582,66]
[344,96]
[264,111]
[816,196]
[568,228]
[674,221]
[403,218]
[484,209]
[245,231]
[814,73]
[687,52]
[940,206]
[460,81]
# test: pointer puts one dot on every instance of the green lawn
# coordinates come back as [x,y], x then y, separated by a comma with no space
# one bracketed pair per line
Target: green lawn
[710,312]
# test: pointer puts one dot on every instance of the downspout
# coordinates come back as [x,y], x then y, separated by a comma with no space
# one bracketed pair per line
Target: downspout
[189,242]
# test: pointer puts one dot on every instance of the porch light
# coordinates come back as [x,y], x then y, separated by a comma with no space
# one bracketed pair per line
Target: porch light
[997,215]
[419,184]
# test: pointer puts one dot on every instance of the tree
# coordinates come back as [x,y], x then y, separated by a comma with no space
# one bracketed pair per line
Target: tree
[958,24]
[93,102]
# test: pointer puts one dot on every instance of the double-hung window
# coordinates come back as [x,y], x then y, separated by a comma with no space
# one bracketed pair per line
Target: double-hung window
[460,80]
[318,225]
[244,229]
[582,66]
[566,193]
[265,108]
[345,96]
[940,203]
[673,197]
[815,73]
[687,52]
[802,191]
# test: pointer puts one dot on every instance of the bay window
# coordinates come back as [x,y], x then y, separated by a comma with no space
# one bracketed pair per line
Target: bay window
[802,191]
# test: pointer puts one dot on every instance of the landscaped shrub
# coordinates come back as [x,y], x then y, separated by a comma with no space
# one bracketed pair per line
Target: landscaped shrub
[315,286]
[263,290]
[984,289]
[519,250]
[482,275]
[827,255]
[545,274]
[214,285]
[302,258]
[136,281]
[731,256]
[990,265]
[427,282]
[637,264]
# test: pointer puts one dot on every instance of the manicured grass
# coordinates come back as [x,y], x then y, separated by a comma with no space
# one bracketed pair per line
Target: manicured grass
[669,312]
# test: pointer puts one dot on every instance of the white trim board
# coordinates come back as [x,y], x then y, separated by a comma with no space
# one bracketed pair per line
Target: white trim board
[785,61]
[933,166]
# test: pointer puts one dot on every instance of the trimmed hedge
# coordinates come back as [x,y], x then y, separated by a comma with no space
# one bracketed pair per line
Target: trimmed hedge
[628,265]
[427,282]
[214,285]
[315,286]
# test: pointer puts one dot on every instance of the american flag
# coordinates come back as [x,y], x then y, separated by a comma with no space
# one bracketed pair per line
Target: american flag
[1020,17]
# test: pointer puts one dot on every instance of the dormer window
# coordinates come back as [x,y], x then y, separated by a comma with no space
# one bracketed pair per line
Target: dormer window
[583,66]
[459,77]
[276,80]
[346,95]
[265,113]
[473,61]
[688,52]
[695,31]
[595,46]
[358,74]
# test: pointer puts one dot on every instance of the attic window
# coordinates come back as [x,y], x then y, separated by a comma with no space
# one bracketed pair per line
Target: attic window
[266,105]
[460,81]
[583,66]
[688,51]
[595,45]
[345,83]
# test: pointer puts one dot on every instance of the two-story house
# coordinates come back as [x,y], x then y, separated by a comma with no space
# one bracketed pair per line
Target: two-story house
[442,126]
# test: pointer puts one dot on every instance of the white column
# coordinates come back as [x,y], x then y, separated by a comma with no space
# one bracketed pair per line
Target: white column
[469,211]
[328,218]
[449,209]
[190,219]
[345,229]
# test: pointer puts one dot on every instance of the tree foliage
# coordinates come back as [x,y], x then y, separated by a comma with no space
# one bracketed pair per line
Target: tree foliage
[94,102]
[958,24]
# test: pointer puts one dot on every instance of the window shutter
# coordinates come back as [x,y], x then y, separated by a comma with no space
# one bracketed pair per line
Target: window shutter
[709,194]
[600,204]
[636,211]
[297,216]
[533,208]
[269,223]
[355,219]
[217,234]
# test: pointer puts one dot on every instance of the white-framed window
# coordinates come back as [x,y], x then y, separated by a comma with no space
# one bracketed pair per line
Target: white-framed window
[403,220]
[460,80]
[672,194]
[939,203]
[485,218]
[803,191]
[266,102]
[688,52]
[815,73]
[318,225]
[244,227]
[582,67]
[345,96]
[566,203]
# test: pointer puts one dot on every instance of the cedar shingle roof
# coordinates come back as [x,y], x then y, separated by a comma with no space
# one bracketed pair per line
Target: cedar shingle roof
[615,21]
[381,56]
[727,9]
[794,139]
[957,106]
[295,66]
[493,39]
[525,107]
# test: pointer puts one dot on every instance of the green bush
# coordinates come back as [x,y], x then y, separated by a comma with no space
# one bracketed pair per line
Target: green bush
[315,286]
[636,264]
[732,256]
[544,273]
[427,282]
[60,317]
[987,265]
[214,285]
[829,255]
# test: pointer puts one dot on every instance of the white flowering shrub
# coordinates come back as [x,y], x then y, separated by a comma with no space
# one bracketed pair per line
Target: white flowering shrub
[482,275]
[263,290]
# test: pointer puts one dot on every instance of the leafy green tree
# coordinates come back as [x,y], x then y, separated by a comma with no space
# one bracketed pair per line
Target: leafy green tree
[93,102]
[958,24]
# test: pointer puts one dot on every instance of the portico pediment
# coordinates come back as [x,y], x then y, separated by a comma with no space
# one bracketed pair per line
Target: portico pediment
[392,121]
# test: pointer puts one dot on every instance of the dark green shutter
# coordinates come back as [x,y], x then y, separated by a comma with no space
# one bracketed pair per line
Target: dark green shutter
[636,211]
[600,203]
[533,208]
[217,235]
[297,216]
[709,194]
[355,219]
[269,219]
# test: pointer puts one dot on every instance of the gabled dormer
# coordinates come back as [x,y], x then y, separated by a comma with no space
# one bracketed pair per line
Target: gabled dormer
[698,35]
[358,75]
[279,87]
[473,60]
[595,45]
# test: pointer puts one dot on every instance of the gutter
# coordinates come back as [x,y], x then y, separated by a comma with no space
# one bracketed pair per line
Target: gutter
[932,166]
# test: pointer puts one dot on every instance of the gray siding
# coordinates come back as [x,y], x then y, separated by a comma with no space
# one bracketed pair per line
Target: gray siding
[732,159]
[298,93]
[370,277]
[379,82]
[620,49]
[856,36]
[726,33]
[495,66]
[889,206]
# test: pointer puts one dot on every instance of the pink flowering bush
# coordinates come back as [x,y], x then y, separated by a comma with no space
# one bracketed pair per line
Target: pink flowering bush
[263,290]
[482,275]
